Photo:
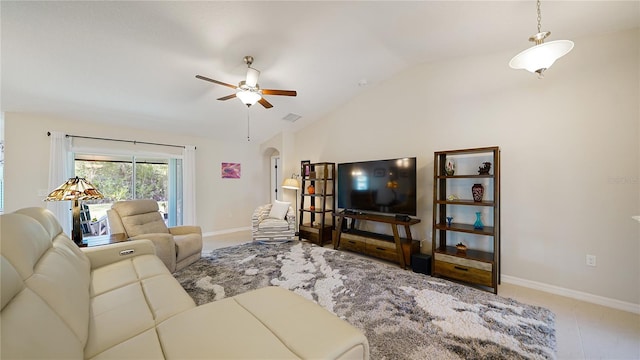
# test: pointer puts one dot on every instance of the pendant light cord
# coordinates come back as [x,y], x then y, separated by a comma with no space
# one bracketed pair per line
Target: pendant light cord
[248,125]
[539,17]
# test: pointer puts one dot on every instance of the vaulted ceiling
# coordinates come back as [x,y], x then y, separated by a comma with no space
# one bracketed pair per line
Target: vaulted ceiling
[134,63]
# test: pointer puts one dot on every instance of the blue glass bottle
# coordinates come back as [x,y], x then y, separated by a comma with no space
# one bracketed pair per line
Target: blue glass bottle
[478,224]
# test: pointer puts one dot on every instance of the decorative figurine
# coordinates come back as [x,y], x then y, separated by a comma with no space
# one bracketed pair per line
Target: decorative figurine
[484,169]
[449,167]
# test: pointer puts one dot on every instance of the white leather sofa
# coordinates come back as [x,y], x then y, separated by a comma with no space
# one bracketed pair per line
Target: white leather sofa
[120,301]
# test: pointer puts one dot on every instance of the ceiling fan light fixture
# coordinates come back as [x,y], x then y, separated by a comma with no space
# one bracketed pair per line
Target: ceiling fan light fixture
[248,90]
[541,56]
[248,97]
[252,77]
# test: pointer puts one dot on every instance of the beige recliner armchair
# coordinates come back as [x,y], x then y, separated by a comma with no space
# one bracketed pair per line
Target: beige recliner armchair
[177,246]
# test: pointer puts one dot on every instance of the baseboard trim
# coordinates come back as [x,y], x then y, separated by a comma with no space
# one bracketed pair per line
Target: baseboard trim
[578,295]
[226,231]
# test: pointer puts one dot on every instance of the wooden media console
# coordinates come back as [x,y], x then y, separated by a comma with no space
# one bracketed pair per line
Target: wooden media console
[388,247]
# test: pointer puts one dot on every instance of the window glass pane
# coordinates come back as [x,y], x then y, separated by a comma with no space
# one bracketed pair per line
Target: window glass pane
[111,175]
[122,177]
[175,192]
[152,182]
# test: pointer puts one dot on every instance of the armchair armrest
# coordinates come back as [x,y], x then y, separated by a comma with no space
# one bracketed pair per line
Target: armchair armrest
[165,247]
[104,255]
[291,218]
[260,214]
[185,229]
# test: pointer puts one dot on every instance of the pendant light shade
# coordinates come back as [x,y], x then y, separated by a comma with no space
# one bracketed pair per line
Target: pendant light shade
[540,57]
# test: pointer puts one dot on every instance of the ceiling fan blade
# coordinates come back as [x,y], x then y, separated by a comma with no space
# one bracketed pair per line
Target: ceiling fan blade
[216,81]
[265,103]
[227,97]
[252,77]
[279,92]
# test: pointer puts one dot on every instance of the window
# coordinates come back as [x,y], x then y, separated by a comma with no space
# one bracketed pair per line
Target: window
[1,163]
[124,177]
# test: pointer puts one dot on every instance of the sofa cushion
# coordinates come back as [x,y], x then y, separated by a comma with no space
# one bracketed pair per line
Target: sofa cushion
[270,320]
[148,223]
[287,315]
[140,217]
[143,346]
[51,307]
[128,299]
[273,225]
[31,330]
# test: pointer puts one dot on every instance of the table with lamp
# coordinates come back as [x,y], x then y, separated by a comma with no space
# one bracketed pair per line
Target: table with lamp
[78,189]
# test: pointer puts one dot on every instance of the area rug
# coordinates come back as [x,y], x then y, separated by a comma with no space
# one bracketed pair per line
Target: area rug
[404,315]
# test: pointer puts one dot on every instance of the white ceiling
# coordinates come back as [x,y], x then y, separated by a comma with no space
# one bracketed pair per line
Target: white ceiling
[134,63]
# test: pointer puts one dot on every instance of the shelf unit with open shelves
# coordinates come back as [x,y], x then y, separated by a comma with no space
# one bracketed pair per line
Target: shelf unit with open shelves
[479,263]
[317,204]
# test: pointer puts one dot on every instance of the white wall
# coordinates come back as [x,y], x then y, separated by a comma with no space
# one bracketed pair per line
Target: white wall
[569,145]
[222,204]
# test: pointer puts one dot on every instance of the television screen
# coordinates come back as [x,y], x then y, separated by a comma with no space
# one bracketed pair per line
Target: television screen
[384,186]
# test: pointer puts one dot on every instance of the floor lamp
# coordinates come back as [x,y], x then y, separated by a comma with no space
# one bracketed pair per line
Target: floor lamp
[293,184]
[75,189]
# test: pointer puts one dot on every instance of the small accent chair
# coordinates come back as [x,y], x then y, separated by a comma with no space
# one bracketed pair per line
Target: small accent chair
[177,246]
[274,222]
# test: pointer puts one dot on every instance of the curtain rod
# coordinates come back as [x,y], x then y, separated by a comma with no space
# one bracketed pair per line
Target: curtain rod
[120,140]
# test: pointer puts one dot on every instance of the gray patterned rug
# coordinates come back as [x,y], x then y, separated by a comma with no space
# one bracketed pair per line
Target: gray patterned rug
[403,314]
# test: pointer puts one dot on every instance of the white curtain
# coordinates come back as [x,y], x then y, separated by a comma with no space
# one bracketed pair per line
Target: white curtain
[189,185]
[59,172]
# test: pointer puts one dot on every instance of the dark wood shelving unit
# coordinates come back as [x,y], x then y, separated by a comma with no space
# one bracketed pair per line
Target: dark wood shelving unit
[475,266]
[316,214]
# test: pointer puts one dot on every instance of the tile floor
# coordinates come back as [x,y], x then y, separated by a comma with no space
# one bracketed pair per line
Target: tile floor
[583,330]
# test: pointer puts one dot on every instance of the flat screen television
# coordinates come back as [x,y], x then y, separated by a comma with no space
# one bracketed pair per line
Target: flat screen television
[382,186]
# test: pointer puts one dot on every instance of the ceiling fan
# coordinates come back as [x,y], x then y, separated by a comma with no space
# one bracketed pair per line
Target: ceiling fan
[248,90]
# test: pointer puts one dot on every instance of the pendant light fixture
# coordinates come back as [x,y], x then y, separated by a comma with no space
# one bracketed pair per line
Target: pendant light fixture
[540,57]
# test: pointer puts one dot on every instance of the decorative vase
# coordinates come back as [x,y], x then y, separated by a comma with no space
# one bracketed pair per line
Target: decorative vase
[449,167]
[477,190]
[478,224]
[311,189]
[449,220]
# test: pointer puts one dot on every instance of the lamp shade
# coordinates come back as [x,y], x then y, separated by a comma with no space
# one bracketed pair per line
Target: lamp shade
[291,183]
[75,188]
[540,57]
[252,77]
[248,97]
